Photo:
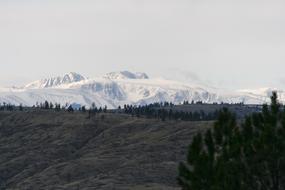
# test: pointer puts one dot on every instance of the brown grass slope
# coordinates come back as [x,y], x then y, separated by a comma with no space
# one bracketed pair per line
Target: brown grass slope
[50,150]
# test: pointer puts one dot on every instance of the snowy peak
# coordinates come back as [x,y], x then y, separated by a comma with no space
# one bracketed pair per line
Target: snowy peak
[119,88]
[125,75]
[56,81]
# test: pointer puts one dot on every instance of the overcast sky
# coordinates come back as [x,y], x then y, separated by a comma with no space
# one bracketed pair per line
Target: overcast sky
[231,44]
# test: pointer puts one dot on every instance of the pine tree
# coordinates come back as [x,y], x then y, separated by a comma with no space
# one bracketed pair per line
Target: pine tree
[238,157]
[83,109]
[50,105]
[21,107]
[70,109]
[46,105]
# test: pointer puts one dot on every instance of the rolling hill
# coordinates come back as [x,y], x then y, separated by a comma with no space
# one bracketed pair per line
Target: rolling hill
[60,150]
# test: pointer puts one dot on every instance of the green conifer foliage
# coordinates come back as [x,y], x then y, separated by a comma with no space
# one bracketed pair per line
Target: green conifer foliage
[232,156]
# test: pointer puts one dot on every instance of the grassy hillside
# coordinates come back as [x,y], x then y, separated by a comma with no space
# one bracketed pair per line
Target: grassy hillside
[59,150]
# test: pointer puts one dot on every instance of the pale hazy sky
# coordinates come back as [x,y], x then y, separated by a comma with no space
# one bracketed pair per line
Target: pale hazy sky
[232,44]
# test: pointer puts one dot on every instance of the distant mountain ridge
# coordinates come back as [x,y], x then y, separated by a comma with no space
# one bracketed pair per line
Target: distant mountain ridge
[125,87]
[56,81]
[126,75]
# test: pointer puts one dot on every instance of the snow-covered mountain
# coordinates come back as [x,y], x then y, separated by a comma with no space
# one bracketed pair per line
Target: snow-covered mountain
[56,81]
[119,88]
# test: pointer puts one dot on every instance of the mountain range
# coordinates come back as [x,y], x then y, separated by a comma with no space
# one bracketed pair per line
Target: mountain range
[125,87]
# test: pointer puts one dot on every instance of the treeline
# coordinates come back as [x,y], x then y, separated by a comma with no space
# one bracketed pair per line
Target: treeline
[70,108]
[164,111]
[214,103]
[53,106]
[43,106]
[9,107]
